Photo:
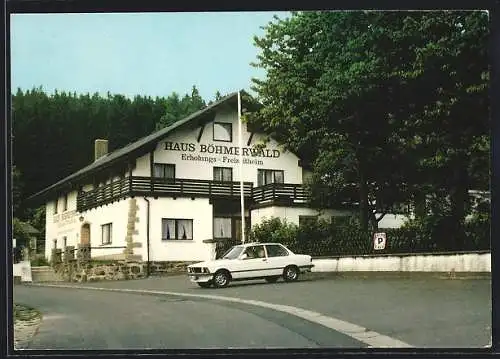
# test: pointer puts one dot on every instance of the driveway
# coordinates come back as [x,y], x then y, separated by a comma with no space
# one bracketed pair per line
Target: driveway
[423,311]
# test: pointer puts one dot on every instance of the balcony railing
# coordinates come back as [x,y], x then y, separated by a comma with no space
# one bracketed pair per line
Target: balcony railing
[279,191]
[188,187]
[159,187]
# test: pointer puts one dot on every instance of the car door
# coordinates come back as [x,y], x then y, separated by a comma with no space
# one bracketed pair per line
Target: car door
[255,265]
[277,258]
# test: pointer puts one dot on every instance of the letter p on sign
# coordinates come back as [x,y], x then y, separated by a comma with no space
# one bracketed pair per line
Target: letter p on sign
[379,240]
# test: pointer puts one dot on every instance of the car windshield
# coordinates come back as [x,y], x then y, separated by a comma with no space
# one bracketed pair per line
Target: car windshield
[233,253]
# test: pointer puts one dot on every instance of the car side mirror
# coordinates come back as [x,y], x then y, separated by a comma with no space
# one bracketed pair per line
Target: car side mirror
[244,256]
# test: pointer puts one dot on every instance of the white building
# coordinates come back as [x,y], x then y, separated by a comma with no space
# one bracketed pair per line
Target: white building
[165,195]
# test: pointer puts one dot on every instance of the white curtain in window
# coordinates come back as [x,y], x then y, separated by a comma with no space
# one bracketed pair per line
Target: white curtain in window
[227,174]
[106,234]
[222,227]
[158,170]
[223,174]
[269,177]
[278,177]
[217,174]
[260,177]
[170,171]
[184,229]
[168,229]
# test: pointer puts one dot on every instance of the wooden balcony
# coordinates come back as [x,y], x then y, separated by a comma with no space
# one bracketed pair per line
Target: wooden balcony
[179,187]
[279,192]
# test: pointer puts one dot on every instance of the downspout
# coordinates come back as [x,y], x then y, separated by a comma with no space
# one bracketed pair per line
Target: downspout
[147,236]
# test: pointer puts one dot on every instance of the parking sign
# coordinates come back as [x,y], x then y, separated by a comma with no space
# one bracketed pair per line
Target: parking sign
[379,240]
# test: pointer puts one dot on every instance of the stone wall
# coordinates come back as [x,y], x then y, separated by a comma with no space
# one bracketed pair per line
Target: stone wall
[82,267]
[73,271]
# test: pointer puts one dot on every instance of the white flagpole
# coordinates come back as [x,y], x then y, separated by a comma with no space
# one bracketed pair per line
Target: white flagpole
[242,198]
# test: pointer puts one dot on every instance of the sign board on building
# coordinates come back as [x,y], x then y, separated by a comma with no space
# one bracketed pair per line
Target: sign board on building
[222,154]
[379,240]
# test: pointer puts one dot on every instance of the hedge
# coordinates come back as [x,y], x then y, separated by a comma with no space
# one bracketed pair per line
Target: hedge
[342,236]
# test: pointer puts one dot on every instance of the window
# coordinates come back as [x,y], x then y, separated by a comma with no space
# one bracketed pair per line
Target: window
[307,220]
[55,205]
[270,176]
[223,132]
[164,170]
[233,252]
[223,174]
[65,242]
[255,252]
[274,250]
[106,233]
[65,202]
[176,229]
[55,243]
[222,227]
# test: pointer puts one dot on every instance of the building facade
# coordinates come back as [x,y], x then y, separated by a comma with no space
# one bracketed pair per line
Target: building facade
[167,196]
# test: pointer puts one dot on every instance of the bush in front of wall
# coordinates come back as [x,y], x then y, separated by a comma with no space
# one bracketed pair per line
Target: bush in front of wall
[39,260]
[275,229]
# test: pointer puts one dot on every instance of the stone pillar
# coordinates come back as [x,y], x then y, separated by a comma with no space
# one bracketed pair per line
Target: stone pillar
[69,253]
[56,257]
[83,255]
[129,239]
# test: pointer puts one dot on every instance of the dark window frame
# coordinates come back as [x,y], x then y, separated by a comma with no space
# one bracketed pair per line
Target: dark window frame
[230,131]
[164,167]
[223,168]
[274,176]
[176,220]
[110,240]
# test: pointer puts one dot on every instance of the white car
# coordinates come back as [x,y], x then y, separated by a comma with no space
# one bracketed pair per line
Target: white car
[268,261]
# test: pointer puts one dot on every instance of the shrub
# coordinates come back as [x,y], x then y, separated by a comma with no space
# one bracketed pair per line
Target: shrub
[342,236]
[275,230]
[477,232]
[39,260]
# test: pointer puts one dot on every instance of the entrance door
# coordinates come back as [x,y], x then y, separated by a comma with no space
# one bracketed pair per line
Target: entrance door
[85,234]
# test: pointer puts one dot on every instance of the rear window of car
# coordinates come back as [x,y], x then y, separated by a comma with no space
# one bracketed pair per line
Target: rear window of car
[274,250]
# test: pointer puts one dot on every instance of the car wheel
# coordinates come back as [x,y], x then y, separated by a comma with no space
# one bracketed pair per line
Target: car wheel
[272,279]
[291,274]
[204,284]
[221,278]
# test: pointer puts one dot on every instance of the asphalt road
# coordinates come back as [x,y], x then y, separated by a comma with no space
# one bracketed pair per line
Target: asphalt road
[75,319]
[423,311]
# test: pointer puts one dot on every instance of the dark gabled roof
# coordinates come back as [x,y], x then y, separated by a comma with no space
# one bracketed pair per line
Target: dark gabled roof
[28,228]
[138,148]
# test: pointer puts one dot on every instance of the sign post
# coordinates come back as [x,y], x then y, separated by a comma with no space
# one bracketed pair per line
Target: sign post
[379,241]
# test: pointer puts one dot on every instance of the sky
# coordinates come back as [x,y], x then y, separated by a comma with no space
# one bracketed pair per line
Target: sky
[147,54]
